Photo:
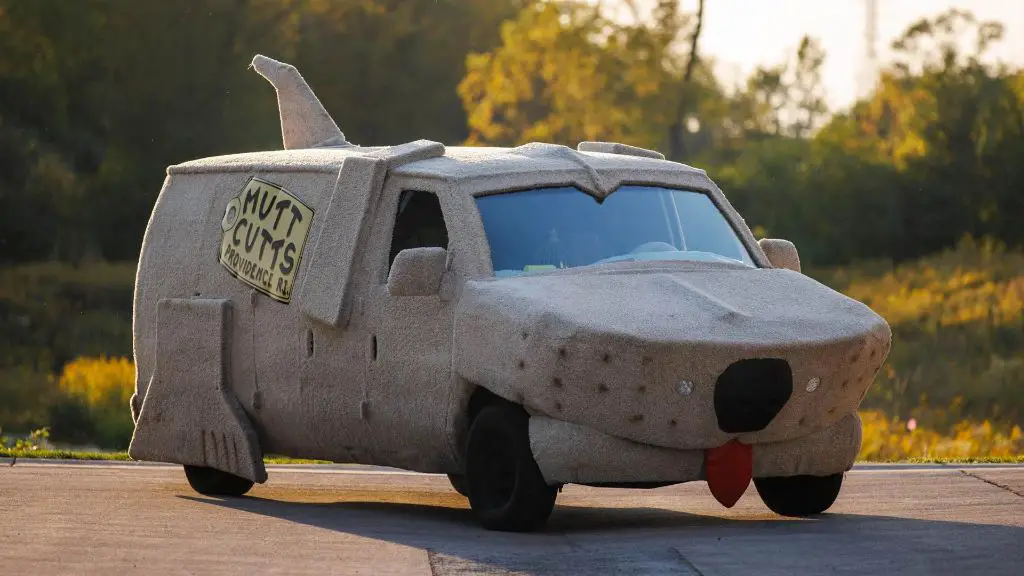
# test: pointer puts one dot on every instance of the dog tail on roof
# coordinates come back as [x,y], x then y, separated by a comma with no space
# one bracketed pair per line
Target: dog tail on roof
[304,121]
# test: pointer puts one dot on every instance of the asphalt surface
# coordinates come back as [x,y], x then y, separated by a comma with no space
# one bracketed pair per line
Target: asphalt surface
[79,518]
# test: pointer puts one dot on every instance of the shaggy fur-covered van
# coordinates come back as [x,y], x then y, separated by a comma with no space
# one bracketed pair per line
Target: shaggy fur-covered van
[517,318]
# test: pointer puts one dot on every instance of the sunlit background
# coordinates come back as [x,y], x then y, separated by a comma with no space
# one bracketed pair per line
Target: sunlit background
[899,176]
[743,34]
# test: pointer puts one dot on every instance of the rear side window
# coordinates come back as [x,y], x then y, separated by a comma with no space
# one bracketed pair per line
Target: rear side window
[419,223]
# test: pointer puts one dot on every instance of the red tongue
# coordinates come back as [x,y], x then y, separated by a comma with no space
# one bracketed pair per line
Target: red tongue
[729,468]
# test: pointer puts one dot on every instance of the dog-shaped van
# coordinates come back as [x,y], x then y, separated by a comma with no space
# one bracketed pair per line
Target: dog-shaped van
[517,318]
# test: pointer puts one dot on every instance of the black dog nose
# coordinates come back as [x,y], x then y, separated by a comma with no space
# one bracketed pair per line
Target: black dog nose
[749,393]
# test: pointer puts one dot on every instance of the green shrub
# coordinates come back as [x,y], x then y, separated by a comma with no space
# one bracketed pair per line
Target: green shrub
[51,313]
[103,387]
[958,334]
[25,397]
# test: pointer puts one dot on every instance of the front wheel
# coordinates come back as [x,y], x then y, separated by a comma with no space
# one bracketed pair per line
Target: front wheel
[507,491]
[458,482]
[799,495]
[213,482]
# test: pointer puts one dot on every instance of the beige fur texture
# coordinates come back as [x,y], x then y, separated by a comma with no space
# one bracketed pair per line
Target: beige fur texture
[781,253]
[606,346]
[190,415]
[304,121]
[348,371]
[570,453]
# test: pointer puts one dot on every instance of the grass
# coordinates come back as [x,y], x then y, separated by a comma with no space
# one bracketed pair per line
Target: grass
[61,455]
[1019,459]
[123,456]
[118,456]
[958,336]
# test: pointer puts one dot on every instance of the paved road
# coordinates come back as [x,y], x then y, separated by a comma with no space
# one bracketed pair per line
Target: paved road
[138,519]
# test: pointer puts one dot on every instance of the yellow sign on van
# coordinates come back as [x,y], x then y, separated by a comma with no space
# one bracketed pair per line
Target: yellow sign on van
[265,229]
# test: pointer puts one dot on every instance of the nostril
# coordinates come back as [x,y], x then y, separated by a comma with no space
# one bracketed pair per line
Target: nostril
[751,392]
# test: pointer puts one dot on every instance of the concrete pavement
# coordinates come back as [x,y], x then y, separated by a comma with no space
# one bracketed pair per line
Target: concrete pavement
[108,518]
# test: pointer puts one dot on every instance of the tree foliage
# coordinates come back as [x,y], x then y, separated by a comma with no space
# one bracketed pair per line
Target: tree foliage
[97,97]
[924,161]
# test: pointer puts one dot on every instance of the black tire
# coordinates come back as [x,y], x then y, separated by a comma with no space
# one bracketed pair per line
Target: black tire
[459,484]
[213,482]
[506,489]
[799,495]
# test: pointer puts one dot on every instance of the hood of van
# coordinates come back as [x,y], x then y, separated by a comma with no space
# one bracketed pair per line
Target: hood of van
[636,350]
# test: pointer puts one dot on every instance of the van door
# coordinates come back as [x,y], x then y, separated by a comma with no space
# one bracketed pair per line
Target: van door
[410,337]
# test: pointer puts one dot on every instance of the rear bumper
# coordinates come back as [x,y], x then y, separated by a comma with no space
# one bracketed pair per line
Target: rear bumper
[570,453]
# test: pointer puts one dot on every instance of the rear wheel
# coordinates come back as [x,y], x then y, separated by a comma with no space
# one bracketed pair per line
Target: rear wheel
[506,489]
[213,482]
[799,495]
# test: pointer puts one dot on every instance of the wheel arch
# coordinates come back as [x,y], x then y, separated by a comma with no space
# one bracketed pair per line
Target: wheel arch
[474,398]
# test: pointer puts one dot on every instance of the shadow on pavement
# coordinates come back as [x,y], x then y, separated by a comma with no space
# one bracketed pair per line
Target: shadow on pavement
[594,540]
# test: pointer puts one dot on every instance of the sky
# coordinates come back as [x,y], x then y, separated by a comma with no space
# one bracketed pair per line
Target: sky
[742,34]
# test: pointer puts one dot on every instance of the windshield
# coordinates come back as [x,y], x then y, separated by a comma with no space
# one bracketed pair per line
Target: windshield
[548,228]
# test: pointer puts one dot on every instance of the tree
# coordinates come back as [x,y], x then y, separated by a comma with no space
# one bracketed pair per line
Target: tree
[388,69]
[680,88]
[98,97]
[806,91]
[549,80]
[928,158]
[564,73]
[786,99]
[966,125]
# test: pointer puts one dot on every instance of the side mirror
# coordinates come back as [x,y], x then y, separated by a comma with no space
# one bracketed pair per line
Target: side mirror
[417,271]
[781,253]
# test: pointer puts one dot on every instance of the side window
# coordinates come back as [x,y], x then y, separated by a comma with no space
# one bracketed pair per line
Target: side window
[419,223]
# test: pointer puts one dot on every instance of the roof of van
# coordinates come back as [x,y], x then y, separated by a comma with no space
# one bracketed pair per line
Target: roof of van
[456,163]
[313,142]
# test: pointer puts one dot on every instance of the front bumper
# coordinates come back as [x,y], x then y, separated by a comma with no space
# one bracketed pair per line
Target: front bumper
[570,453]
